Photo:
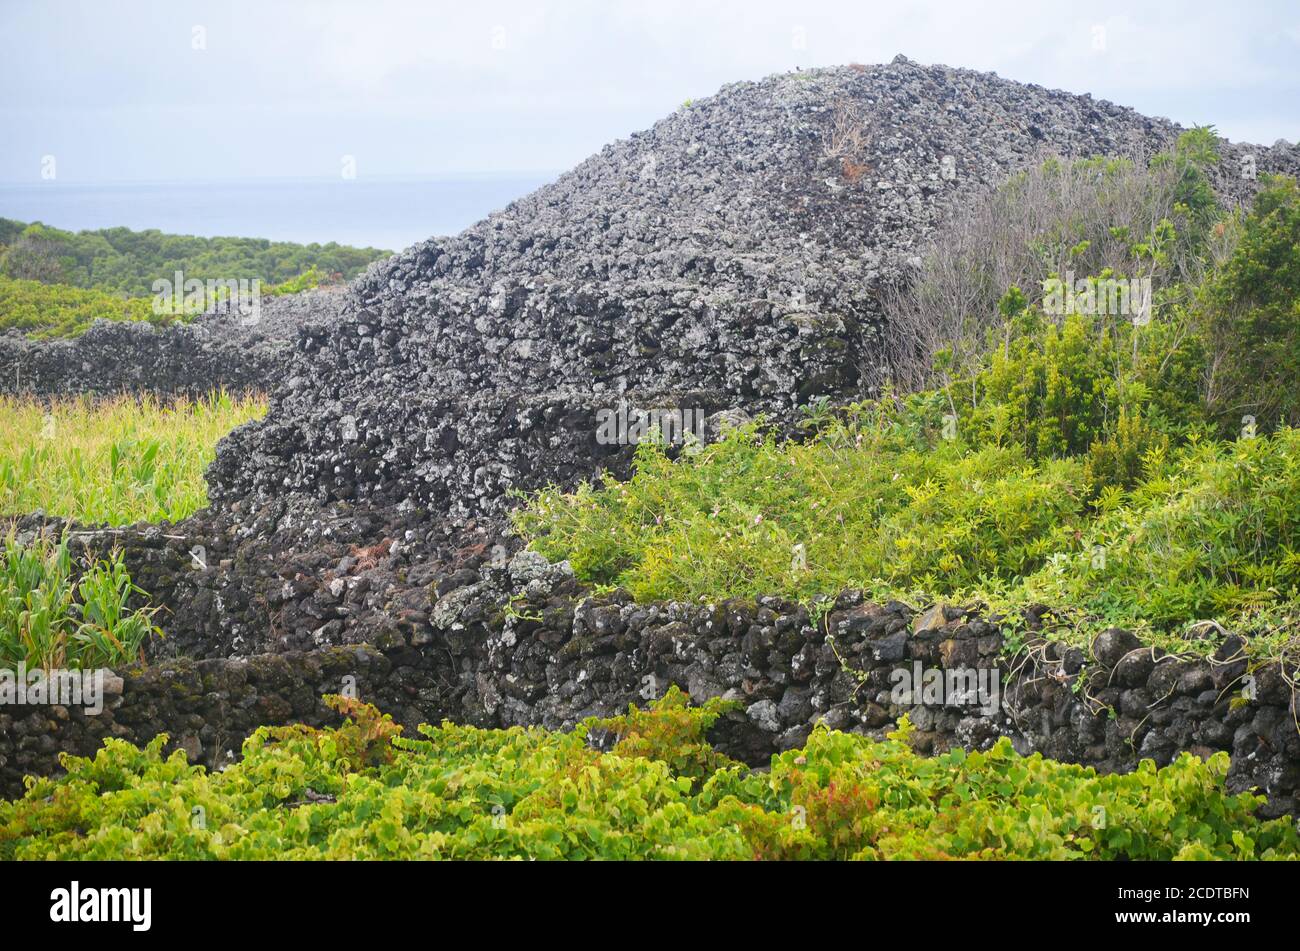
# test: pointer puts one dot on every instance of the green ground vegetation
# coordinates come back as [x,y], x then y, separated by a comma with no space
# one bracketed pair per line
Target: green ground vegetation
[1141,472]
[114,461]
[458,792]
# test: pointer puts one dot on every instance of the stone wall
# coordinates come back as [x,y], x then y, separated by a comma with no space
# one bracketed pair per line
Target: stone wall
[218,350]
[526,644]
[112,358]
[206,707]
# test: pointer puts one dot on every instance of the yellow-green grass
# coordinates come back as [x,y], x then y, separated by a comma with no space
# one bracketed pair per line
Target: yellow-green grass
[119,460]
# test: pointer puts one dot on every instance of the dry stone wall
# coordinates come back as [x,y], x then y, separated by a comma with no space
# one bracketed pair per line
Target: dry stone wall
[216,351]
[523,643]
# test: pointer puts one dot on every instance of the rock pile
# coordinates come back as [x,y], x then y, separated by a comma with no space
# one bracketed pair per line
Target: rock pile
[732,254]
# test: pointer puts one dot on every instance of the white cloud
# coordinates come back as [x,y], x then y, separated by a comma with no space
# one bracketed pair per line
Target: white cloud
[424,88]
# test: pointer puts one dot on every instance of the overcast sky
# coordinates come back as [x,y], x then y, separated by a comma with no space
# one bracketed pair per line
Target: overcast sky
[195,91]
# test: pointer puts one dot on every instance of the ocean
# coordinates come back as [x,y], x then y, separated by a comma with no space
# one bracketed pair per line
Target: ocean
[378,213]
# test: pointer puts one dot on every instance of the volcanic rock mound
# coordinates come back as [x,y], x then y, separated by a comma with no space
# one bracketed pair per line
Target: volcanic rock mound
[728,258]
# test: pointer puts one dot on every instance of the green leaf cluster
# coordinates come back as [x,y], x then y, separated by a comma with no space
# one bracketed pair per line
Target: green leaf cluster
[54,618]
[460,792]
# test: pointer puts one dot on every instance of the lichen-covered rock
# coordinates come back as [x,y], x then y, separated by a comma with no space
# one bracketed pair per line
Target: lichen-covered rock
[525,644]
[218,350]
[729,260]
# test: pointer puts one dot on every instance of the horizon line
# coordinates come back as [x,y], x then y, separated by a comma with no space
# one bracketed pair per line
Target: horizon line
[398,177]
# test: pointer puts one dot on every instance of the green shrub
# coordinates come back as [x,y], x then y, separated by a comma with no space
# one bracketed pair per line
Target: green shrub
[1251,311]
[864,505]
[1092,218]
[50,311]
[466,793]
[1091,387]
[51,619]
[1214,535]
[1070,439]
[1104,387]
[311,278]
[673,732]
[56,310]
[1210,530]
[1194,153]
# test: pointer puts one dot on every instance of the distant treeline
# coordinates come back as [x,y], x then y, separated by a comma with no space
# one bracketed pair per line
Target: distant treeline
[55,283]
[126,262]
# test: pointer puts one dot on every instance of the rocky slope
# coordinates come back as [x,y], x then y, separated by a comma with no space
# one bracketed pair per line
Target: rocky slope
[730,257]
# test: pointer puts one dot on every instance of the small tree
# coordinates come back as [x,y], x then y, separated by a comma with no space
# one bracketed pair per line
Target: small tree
[1250,311]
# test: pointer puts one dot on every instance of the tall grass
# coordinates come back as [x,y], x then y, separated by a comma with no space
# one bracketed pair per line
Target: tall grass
[118,461]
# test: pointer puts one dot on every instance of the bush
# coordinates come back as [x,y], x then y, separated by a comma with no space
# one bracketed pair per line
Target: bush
[466,793]
[1251,311]
[1214,535]
[46,311]
[864,505]
[1093,217]
[49,619]
[51,311]
[1209,531]
[1090,387]
[1071,459]
[672,731]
